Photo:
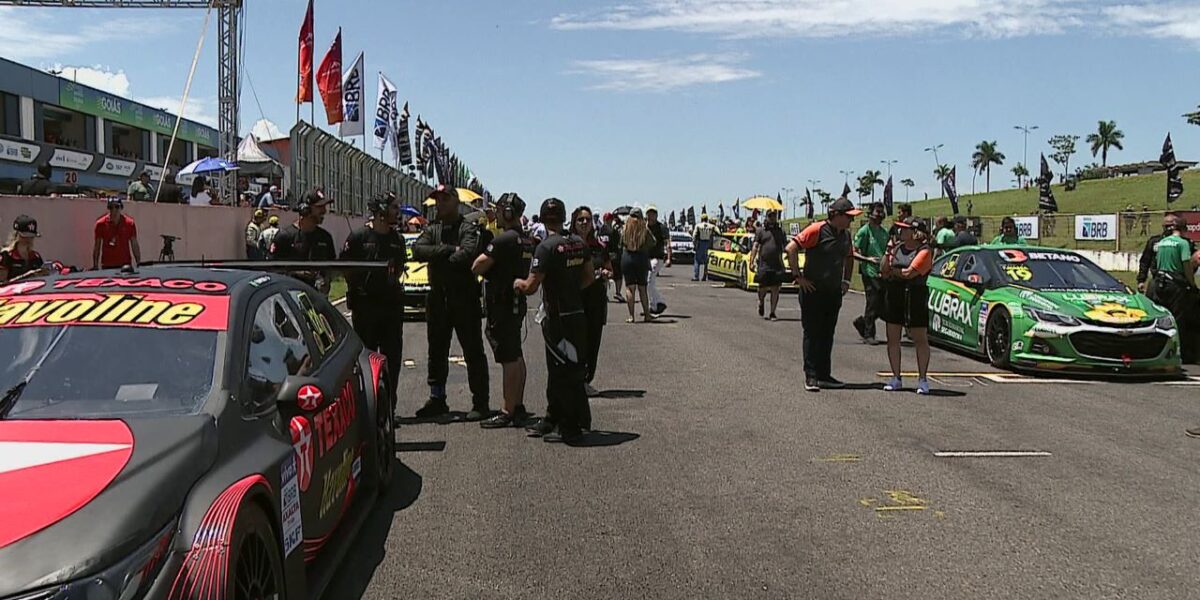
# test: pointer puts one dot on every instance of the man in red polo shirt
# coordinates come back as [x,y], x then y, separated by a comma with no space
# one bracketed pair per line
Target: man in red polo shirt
[116,239]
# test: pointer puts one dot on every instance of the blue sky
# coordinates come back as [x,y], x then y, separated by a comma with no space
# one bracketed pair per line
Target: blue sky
[685,102]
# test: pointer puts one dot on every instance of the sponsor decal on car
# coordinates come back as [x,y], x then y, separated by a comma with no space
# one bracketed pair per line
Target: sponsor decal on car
[332,423]
[289,507]
[309,397]
[335,481]
[1117,314]
[302,447]
[1019,273]
[1097,298]
[1018,346]
[941,326]
[1055,256]
[211,287]
[948,306]
[155,310]
[983,314]
[21,287]
[1033,298]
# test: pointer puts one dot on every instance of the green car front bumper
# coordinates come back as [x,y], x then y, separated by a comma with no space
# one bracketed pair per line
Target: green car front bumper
[1085,348]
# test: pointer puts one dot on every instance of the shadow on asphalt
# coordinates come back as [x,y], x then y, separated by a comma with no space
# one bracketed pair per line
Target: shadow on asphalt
[660,321]
[619,394]
[666,316]
[454,416]
[369,548]
[438,446]
[602,439]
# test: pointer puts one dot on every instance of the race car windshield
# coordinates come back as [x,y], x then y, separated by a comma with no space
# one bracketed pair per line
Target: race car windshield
[99,372]
[1068,275]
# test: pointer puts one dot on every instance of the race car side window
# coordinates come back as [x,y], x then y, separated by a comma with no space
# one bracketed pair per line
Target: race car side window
[277,349]
[966,264]
[722,244]
[328,328]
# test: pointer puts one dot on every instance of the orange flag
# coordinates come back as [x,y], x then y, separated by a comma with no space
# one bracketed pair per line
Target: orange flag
[305,92]
[329,80]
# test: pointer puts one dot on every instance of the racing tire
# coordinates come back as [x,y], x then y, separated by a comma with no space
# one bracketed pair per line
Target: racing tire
[742,283]
[998,343]
[255,558]
[383,447]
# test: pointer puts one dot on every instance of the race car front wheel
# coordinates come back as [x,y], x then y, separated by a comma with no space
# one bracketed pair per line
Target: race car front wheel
[256,566]
[999,339]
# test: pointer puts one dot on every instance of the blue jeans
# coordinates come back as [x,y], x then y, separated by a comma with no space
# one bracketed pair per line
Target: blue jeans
[700,262]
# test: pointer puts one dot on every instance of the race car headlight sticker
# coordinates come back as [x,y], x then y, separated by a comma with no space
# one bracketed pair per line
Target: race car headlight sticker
[1050,317]
[130,577]
[1167,322]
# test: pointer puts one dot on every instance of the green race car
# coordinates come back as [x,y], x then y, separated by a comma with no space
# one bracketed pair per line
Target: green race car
[1047,309]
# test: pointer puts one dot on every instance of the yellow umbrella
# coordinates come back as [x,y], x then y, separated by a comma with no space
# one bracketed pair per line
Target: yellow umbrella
[467,195]
[762,203]
[430,202]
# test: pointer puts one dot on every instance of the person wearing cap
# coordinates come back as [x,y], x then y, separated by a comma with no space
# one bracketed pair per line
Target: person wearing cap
[140,190]
[905,268]
[116,243]
[610,234]
[254,234]
[870,244]
[1174,283]
[505,260]
[660,256]
[702,239]
[962,234]
[268,234]
[767,257]
[825,278]
[306,240]
[1008,233]
[18,259]
[39,184]
[562,266]
[450,245]
[376,297]
[267,200]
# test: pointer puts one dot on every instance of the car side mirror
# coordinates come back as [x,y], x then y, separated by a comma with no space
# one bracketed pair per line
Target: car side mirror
[305,392]
[977,281]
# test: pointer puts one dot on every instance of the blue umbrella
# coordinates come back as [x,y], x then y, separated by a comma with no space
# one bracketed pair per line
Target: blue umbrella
[208,165]
[411,211]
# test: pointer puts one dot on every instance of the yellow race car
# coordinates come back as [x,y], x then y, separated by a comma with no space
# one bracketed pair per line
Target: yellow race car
[415,279]
[729,261]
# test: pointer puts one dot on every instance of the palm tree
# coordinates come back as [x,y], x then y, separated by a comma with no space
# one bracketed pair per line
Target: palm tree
[942,172]
[1193,118]
[984,157]
[1107,136]
[907,183]
[868,181]
[1021,172]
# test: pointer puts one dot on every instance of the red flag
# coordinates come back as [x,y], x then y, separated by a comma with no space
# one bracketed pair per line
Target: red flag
[329,80]
[306,57]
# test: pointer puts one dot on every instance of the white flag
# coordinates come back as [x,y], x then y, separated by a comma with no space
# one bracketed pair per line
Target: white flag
[352,100]
[385,114]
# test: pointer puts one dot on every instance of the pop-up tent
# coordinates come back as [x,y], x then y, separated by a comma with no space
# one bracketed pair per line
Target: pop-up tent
[253,161]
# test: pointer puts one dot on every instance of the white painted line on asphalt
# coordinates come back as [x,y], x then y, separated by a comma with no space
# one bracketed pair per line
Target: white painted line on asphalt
[990,454]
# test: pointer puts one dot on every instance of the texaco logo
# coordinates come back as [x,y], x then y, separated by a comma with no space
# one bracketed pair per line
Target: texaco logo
[302,445]
[309,397]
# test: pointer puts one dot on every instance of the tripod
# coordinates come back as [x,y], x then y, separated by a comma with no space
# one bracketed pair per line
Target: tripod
[167,254]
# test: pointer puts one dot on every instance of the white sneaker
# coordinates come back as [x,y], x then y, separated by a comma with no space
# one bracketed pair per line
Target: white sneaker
[591,391]
[894,385]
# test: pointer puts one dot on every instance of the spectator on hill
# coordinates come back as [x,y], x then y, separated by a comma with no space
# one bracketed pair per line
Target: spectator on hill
[39,184]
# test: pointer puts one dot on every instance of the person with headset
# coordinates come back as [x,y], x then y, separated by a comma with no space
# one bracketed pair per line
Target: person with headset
[376,298]
[306,240]
[503,261]
[563,264]
[450,245]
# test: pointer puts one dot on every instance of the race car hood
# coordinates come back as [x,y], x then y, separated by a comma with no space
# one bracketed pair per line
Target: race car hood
[1116,308]
[416,275]
[80,495]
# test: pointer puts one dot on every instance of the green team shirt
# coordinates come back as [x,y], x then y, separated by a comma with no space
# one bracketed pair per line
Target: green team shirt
[1020,241]
[943,237]
[1171,253]
[870,241]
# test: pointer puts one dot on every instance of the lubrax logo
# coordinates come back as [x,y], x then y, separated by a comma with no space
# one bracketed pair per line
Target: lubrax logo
[949,306]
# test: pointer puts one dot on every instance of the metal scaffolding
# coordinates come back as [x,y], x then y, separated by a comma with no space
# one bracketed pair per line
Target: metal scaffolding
[227,57]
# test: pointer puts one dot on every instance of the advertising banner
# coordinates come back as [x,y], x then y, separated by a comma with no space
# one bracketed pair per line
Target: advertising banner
[68,159]
[18,151]
[1192,218]
[1096,227]
[1028,227]
[119,110]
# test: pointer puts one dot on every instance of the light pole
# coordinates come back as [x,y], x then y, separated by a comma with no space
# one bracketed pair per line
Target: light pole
[1025,157]
[934,149]
[889,164]
[848,175]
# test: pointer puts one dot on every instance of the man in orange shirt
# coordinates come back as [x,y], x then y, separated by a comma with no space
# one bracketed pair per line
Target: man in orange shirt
[116,242]
[829,258]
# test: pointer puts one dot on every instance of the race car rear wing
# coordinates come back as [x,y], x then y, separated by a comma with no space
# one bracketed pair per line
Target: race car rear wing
[277,266]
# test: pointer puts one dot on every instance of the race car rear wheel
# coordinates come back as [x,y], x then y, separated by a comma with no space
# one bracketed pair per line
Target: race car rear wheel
[385,435]
[742,278]
[998,343]
[255,561]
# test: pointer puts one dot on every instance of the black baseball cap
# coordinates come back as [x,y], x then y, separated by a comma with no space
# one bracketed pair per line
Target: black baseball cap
[26,226]
[554,208]
[843,205]
[317,197]
[511,201]
[116,201]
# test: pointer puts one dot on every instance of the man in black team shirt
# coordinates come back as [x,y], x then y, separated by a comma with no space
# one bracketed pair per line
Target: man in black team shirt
[376,298]
[503,261]
[306,240]
[562,264]
[450,245]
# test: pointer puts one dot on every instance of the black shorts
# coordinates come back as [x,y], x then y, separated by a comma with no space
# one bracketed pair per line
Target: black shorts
[766,277]
[635,267]
[906,304]
[503,332]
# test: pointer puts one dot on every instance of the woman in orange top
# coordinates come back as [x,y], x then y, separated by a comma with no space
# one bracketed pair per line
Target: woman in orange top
[905,267]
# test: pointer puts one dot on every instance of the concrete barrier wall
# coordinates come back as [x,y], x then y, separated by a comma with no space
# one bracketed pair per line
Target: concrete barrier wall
[1112,261]
[215,232]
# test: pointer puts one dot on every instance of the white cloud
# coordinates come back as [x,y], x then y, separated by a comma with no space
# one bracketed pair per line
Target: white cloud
[834,18]
[1177,21]
[29,34]
[265,129]
[99,77]
[199,109]
[660,75]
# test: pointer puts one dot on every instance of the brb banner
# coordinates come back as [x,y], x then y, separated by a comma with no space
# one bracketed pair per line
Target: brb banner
[1096,227]
[1028,227]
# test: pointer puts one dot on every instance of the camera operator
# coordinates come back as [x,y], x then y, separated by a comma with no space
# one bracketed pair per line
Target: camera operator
[306,240]
[376,298]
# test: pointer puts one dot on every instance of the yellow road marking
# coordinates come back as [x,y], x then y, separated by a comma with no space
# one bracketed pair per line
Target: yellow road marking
[840,458]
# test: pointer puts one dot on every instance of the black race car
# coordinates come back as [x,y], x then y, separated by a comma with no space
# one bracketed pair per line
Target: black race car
[183,433]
